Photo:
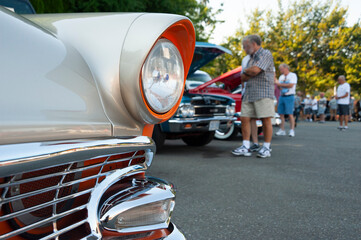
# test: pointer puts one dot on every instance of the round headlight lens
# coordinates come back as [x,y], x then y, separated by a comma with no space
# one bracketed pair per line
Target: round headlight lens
[163,76]
[230,110]
[186,111]
[191,111]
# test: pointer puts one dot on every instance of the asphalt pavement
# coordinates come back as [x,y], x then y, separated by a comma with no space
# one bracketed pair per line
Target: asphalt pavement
[310,188]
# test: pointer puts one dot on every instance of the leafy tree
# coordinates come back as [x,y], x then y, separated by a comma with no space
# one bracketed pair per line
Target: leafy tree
[312,37]
[203,17]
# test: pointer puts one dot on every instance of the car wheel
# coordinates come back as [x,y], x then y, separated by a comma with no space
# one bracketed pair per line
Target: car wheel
[229,133]
[199,140]
[158,137]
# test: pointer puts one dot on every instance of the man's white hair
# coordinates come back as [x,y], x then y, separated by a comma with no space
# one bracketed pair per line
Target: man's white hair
[342,77]
[284,65]
[253,39]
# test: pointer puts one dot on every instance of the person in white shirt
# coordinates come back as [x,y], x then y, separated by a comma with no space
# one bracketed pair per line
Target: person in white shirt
[343,101]
[286,102]
[322,103]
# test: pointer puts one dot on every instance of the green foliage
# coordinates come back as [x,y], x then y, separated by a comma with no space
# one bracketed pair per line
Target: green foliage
[311,37]
[203,17]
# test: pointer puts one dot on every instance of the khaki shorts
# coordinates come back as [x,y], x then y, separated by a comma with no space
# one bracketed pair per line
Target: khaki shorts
[262,108]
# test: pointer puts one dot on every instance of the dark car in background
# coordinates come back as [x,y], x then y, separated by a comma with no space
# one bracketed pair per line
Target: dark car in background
[199,114]
[18,6]
[229,84]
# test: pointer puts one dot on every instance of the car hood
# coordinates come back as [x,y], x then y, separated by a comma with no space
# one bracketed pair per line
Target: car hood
[230,79]
[204,53]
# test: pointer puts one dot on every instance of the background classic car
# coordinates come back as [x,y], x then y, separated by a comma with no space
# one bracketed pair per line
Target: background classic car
[18,6]
[78,99]
[228,84]
[200,114]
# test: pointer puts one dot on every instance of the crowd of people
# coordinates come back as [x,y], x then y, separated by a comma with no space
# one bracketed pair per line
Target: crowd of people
[321,109]
[261,86]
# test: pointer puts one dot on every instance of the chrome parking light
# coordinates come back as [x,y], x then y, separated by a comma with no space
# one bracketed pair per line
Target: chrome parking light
[146,205]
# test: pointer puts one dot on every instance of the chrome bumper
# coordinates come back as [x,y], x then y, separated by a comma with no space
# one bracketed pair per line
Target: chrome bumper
[175,235]
[276,121]
[197,124]
[238,123]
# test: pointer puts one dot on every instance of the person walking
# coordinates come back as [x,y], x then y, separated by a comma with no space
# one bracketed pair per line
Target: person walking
[322,107]
[258,97]
[286,103]
[343,101]
[332,104]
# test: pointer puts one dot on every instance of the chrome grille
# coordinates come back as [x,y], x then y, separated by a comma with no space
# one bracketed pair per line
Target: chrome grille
[209,110]
[51,203]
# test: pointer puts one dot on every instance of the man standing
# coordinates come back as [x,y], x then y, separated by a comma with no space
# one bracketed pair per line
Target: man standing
[258,97]
[254,129]
[287,82]
[343,101]
[322,103]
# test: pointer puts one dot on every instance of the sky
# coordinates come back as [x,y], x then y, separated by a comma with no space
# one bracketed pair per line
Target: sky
[235,12]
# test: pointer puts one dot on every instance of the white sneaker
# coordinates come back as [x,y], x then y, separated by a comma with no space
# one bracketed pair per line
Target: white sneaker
[242,151]
[281,132]
[291,133]
[264,152]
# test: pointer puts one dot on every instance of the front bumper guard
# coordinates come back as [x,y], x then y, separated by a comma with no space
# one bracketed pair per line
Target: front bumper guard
[178,125]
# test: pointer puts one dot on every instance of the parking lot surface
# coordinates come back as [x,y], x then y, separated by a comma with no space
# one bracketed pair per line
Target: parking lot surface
[309,189]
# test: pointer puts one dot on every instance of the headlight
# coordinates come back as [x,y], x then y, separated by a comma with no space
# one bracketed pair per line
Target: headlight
[186,111]
[146,205]
[149,214]
[230,110]
[163,76]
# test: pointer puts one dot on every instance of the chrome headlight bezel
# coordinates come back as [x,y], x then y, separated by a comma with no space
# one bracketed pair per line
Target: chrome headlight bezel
[230,110]
[185,111]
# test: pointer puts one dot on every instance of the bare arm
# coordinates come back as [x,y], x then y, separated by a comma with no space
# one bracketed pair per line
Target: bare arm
[285,85]
[250,72]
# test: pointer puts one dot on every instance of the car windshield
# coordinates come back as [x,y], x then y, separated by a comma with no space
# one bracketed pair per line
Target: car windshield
[199,76]
[18,6]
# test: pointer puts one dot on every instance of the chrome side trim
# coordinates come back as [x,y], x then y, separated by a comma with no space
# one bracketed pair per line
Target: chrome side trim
[210,106]
[199,120]
[17,158]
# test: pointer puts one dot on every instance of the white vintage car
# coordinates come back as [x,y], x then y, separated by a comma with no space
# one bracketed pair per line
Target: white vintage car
[79,96]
